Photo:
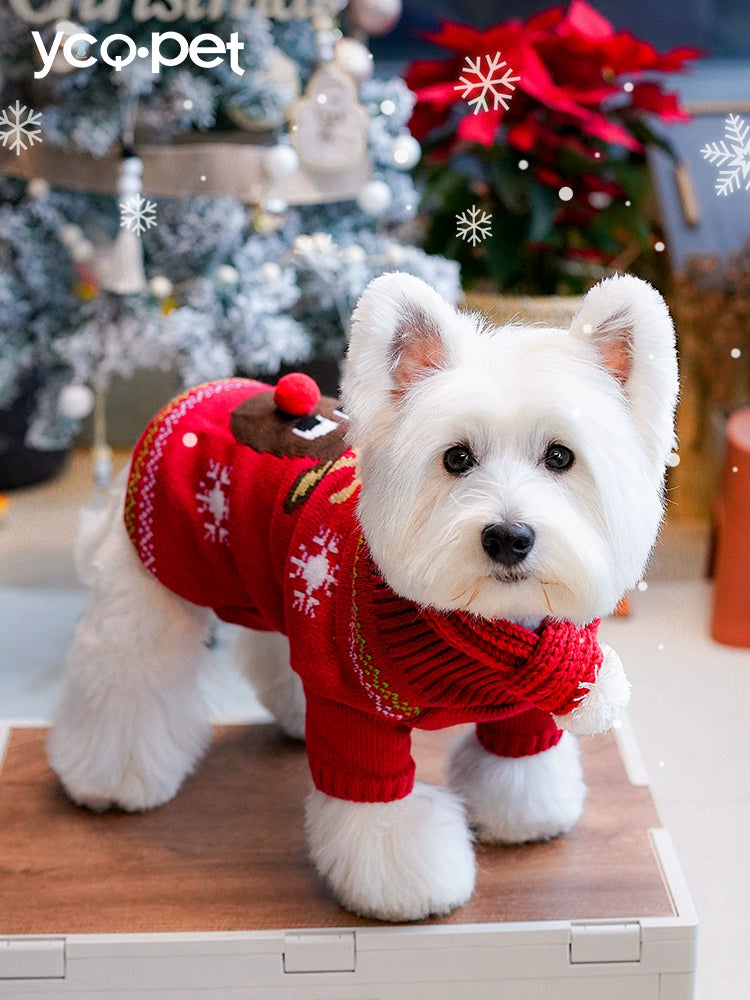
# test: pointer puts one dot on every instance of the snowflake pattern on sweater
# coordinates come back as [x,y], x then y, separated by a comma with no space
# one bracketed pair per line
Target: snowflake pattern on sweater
[316,569]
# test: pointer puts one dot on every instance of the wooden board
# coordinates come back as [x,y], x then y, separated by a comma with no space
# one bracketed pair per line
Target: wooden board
[228,852]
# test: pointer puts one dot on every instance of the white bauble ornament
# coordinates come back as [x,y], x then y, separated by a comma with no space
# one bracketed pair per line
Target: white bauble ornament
[375,17]
[71,234]
[160,286]
[405,151]
[302,245]
[281,161]
[38,188]
[354,254]
[355,58]
[227,274]
[394,255]
[75,401]
[270,271]
[322,242]
[375,198]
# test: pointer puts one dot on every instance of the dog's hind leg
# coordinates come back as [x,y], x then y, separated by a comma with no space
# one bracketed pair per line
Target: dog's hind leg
[264,659]
[131,723]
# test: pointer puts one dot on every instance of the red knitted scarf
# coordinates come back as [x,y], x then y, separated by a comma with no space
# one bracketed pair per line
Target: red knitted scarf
[433,659]
[546,667]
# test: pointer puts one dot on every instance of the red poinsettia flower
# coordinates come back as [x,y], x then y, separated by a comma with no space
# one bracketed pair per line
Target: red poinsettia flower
[568,62]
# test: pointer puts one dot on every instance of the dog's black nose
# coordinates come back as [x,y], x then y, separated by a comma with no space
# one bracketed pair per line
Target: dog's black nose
[508,544]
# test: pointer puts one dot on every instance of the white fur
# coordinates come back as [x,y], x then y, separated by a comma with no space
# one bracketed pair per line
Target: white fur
[264,658]
[511,800]
[419,378]
[402,860]
[131,723]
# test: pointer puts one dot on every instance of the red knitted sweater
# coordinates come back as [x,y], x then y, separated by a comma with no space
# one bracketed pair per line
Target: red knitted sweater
[266,533]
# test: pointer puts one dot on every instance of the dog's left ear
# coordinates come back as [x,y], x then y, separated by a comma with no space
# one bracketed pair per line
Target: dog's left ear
[628,323]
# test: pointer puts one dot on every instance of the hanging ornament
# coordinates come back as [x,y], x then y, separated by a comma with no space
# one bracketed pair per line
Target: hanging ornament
[375,198]
[160,287]
[329,125]
[282,73]
[38,188]
[375,17]
[405,151]
[270,271]
[120,268]
[354,58]
[227,275]
[75,401]
[281,161]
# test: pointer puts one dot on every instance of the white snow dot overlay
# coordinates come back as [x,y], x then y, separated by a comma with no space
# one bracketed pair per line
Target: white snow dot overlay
[736,352]
[190,440]
[565,193]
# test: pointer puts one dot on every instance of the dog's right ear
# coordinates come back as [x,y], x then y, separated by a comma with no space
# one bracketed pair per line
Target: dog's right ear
[402,331]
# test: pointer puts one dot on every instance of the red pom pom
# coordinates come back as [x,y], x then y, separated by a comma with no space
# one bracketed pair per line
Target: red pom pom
[296,394]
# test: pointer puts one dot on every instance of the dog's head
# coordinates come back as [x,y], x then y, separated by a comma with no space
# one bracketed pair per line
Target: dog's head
[514,471]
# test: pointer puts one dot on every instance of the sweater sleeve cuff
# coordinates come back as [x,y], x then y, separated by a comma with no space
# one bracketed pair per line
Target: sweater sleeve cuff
[355,756]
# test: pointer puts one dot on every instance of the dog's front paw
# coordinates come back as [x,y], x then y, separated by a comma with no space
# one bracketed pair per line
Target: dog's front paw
[604,702]
[403,860]
[512,800]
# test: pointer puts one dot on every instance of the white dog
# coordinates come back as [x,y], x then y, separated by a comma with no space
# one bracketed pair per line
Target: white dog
[502,489]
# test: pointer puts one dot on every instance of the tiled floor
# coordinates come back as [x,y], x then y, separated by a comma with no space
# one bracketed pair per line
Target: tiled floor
[690,697]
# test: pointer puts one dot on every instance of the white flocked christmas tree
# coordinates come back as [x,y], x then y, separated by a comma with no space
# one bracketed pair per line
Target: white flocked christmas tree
[190,216]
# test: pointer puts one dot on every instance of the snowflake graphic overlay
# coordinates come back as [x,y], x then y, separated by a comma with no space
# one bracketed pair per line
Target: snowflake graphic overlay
[17,132]
[137,214]
[735,159]
[474,225]
[213,501]
[476,82]
[316,570]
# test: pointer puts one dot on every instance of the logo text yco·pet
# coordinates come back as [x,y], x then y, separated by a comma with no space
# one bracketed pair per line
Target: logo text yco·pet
[168,48]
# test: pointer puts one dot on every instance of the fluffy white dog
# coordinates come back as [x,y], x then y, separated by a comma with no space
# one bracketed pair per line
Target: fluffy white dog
[502,488]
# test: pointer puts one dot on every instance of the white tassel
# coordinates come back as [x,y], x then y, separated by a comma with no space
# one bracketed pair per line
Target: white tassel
[606,699]
[120,269]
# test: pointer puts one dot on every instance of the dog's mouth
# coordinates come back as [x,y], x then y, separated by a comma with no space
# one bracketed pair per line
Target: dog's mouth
[509,576]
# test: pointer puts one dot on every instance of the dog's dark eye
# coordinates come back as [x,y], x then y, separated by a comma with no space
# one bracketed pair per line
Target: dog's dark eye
[458,460]
[558,458]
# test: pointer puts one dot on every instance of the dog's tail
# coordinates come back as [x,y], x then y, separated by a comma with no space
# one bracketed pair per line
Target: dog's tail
[94,524]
